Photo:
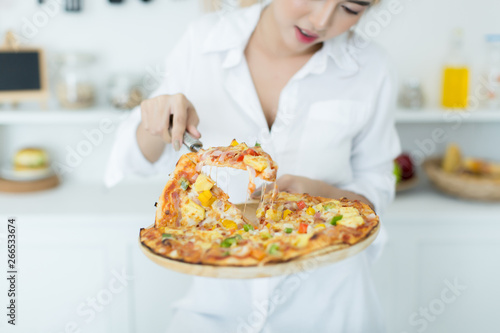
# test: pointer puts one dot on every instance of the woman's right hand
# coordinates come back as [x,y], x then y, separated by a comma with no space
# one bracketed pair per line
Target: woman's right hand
[156,116]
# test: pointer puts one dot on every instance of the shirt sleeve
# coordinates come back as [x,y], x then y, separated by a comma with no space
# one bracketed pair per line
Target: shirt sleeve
[375,148]
[126,157]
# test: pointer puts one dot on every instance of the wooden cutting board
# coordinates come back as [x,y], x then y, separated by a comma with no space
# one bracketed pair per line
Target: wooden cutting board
[324,257]
[12,186]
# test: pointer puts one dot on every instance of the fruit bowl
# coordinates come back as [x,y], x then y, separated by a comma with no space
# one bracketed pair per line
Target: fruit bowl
[462,185]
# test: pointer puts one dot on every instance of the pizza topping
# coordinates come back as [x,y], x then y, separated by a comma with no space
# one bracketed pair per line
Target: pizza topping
[300,241]
[273,249]
[335,219]
[248,227]
[167,236]
[257,144]
[320,226]
[273,214]
[286,213]
[228,224]
[192,212]
[206,198]
[352,222]
[203,183]
[303,228]
[288,230]
[228,242]
[264,235]
[301,205]
[310,211]
[234,143]
[184,183]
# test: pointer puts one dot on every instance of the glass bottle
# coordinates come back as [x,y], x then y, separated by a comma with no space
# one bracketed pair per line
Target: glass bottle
[456,75]
[492,72]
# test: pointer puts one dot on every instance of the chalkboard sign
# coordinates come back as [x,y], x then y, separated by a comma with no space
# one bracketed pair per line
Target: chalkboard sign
[22,73]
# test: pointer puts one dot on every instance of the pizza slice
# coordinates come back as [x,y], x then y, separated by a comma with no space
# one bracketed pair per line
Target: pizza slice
[191,199]
[293,213]
[239,156]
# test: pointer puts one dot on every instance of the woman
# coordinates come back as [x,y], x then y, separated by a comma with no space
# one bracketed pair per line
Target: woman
[289,76]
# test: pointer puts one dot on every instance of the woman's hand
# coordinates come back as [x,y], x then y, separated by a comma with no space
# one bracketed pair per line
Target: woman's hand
[297,184]
[156,116]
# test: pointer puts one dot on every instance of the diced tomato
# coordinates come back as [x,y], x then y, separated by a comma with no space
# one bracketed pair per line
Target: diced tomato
[301,204]
[240,158]
[252,152]
[303,228]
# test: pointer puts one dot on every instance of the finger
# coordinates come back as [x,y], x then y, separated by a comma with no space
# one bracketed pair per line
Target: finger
[192,122]
[179,110]
[165,135]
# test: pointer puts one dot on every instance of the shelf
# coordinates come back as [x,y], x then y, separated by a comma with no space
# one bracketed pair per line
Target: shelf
[432,116]
[94,115]
[59,116]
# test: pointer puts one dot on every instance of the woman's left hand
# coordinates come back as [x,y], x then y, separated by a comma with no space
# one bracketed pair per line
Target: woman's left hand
[298,184]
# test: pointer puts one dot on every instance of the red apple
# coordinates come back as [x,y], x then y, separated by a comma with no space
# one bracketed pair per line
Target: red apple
[406,165]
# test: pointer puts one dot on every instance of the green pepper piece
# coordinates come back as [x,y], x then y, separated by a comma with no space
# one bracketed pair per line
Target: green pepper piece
[228,242]
[167,236]
[184,183]
[248,227]
[335,219]
[289,230]
[274,248]
[257,144]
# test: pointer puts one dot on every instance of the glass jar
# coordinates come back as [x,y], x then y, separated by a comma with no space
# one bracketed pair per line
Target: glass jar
[411,95]
[124,91]
[75,87]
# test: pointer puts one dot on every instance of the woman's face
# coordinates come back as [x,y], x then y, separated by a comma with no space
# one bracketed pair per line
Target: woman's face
[305,23]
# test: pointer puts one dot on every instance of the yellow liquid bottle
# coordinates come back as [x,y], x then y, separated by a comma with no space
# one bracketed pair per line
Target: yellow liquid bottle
[455,87]
[455,75]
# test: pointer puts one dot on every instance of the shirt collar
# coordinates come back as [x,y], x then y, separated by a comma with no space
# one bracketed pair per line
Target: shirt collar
[232,32]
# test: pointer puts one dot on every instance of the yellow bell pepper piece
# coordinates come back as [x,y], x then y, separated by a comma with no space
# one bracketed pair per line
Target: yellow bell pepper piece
[234,143]
[228,224]
[286,213]
[206,198]
[320,226]
[310,211]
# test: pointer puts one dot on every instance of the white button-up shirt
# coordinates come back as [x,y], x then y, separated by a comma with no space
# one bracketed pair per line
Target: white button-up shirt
[334,123]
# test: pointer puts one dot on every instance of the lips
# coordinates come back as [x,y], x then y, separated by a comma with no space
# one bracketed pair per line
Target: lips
[305,36]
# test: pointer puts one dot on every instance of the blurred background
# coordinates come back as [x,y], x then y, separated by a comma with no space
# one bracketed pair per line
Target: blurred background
[92,61]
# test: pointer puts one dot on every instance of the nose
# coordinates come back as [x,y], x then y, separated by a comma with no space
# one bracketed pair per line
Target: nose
[322,16]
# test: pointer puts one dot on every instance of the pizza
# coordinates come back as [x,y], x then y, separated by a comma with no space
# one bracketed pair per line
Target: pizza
[240,156]
[197,224]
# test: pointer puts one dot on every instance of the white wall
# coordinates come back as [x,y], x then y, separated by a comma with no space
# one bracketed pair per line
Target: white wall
[127,38]
[135,35]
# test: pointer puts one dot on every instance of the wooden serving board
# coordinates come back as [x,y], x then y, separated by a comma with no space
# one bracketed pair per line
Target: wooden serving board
[324,257]
[12,186]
